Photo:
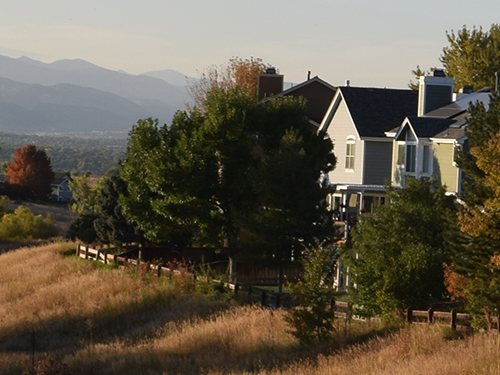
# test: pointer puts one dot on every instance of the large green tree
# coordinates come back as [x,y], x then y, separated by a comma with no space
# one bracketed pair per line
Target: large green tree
[398,251]
[473,56]
[200,177]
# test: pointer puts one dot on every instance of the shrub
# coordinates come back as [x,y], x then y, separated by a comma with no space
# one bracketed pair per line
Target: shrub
[312,318]
[23,224]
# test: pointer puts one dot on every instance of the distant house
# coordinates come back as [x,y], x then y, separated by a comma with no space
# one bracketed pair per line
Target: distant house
[317,93]
[60,187]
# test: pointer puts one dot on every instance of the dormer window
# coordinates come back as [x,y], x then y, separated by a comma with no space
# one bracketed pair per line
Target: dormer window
[349,153]
[414,157]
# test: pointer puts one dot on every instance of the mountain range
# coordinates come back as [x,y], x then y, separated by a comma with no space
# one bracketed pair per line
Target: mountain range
[75,97]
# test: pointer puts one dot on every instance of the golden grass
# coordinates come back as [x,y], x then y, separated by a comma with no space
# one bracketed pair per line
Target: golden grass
[109,321]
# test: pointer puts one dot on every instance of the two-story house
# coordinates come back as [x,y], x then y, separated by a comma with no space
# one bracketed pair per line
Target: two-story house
[357,121]
[425,145]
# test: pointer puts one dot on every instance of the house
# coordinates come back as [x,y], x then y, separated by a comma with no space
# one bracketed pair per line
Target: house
[357,121]
[425,145]
[318,95]
[61,191]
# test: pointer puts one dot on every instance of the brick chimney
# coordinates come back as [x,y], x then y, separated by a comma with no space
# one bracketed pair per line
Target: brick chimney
[270,83]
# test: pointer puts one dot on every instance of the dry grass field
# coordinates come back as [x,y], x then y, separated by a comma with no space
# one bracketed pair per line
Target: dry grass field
[80,317]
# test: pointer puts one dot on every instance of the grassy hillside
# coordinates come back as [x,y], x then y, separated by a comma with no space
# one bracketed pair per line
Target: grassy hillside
[91,319]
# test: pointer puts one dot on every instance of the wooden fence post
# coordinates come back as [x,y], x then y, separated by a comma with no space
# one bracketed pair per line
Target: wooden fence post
[158,270]
[105,257]
[87,251]
[236,288]
[430,315]
[453,323]
[138,264]
[263,299]
[78,250]
[278,301]
[409,315]
[98,255]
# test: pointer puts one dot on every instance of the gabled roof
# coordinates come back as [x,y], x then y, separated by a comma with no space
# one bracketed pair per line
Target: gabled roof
[318,94]
[425,127]
[375,111]
[60,177]
[305,83]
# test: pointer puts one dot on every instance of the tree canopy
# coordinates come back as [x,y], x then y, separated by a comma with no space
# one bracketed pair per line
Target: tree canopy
[238,73]
[398,251]
[205,176]
[473,56]
[30,173]
[478,258]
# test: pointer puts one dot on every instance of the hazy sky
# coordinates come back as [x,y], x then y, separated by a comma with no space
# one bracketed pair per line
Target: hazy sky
[369,42]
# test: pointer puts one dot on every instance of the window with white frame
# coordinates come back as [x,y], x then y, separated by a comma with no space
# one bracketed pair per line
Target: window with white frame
[407,154]
[349,153]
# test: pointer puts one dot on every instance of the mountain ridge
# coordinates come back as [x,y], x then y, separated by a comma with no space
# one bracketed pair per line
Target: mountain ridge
[30,89]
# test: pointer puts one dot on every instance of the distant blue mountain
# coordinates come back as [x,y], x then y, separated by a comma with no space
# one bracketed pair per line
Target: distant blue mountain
[75,95]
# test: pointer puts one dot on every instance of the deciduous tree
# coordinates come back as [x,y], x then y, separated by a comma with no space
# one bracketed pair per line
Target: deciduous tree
[30,173]
[200,175]
[398,251]
[238,73]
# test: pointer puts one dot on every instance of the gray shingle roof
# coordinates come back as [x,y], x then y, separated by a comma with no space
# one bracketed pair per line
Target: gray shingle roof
[428,127]
[376,110]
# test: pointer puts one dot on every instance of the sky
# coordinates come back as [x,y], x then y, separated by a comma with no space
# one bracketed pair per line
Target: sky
[374,43]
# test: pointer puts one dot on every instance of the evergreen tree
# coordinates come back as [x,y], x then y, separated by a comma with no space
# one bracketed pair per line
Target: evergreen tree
[473,56]
[110,225]
[313,317]
[478,258]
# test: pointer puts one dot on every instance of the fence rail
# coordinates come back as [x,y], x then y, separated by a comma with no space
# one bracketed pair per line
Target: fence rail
[271,299]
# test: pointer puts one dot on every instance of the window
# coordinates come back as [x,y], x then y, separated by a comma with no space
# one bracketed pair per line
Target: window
[349,154]
[411,158]
[426,160]
[401,154]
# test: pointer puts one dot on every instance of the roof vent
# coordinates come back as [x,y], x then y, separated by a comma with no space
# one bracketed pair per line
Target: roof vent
[466,90]
[347,83]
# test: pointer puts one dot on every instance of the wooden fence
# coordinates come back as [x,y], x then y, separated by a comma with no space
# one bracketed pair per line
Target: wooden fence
[101,254]
[272,299]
